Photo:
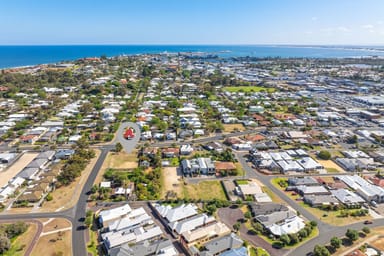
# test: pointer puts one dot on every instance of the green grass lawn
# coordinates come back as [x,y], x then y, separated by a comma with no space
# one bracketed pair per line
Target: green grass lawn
[205,190]
[332,217]
[248,89]
[241,182]
[332,170]
[92,245]
[258,251]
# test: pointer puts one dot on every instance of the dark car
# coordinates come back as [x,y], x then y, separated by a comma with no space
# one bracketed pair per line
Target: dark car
[368,222]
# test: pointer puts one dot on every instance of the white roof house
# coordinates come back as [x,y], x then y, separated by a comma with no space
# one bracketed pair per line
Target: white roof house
[309,164]
[251,188]
[107,216]
[191,223]
[134,219]
[288,226]
[176,213]
[310,190]
[365,189]
[276,156]
[347,197]
[113,239]
[290,165]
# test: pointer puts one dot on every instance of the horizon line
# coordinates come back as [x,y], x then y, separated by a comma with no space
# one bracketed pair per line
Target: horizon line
[186,44]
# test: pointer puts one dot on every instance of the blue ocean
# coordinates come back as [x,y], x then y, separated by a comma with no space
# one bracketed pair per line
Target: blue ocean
[15,56]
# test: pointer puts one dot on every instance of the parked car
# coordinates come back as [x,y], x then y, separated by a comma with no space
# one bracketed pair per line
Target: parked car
[368,222]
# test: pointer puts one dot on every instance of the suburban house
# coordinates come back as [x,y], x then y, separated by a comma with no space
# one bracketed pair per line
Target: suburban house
[172,214]
[198,166]
[129,231]
[108,216]
[277,218]
[204,234]
[170,152]
[186,149]
[304,190]
[320,200]
[219,245]
[347,197]
[225,167]
[146,248]
[366,190]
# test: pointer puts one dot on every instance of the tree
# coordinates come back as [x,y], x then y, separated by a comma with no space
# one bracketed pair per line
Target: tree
[335,242]
[366,230]
[320,250]
[49,197]
[313,223]
[248,215]
[294,238]
[324,154]
[118,147]
[352,234]
[285,239]
[5,244]
[236,226]
[15,229]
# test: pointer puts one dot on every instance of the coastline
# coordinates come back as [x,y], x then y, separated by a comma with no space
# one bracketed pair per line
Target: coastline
[19,56]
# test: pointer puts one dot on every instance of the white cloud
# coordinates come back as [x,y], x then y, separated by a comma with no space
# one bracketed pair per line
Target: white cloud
[335,29]
[343,29]
[368,26]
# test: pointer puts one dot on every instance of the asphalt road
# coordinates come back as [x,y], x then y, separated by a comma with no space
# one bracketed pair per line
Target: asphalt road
[78,233]
[209,139]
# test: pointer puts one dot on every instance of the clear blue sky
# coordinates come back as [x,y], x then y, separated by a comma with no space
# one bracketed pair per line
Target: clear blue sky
[352,22]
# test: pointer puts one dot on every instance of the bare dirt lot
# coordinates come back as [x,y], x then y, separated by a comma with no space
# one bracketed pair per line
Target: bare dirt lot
[15,168]
[171,181]
[329,164]
[56,224]
[233,127]
[58,243]
[379,243]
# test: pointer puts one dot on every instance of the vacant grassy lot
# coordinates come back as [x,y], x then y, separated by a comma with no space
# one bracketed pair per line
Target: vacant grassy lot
[233,127]
[333,217]
[330,166]
[248,89]
[121,160]
[20,244]
[54,244]
[204,190]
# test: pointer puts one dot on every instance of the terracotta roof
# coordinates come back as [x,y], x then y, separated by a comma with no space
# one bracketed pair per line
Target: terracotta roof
[258,117]
[256,137]
[224,166]
[377,181]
